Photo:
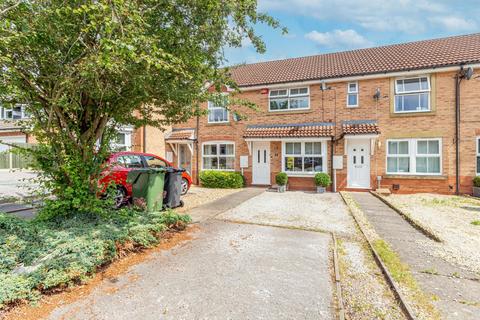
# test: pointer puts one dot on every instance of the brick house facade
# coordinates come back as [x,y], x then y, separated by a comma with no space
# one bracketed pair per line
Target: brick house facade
[388,114]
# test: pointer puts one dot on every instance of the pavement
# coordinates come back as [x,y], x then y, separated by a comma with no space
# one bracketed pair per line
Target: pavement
[16,183]
[229,270]
[455,287]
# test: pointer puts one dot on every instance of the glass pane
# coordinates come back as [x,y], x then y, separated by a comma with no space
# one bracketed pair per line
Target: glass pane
[289,148]
[400,86]
[303,90]
[434,165]
[308,147]
[411,102]
[317,148]
[153,162]
[130,161]
[297,148]
[398,103]
[478,164]
[424,83]
[299,103]
[422,147]
[230,163]
[210,163]
[403,147]
[210,149]
[424,97]
[422,164]
[313,164]
[273,93]
[222,163]
[392,147]
[411,84]
[404,164]
[392,164]
[433,147]
[352,99]
[120,139]
[352,87]
[279,104]
[293,164]
[293,91]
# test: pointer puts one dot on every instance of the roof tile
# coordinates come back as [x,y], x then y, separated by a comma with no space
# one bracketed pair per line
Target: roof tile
[290,130]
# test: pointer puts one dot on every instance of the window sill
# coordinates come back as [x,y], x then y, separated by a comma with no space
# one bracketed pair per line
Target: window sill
[274,113]
[414,177]
[211,124]
[413,114]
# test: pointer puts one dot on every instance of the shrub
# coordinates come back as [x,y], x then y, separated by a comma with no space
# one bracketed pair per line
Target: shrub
[221,179]
[476,182]
[322,180]
[39,255]
[281,178]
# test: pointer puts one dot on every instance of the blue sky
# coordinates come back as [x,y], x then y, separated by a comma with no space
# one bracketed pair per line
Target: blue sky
[321,26]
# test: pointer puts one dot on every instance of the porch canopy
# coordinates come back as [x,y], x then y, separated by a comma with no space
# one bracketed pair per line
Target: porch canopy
[360,129]
[180,136]
[277,132]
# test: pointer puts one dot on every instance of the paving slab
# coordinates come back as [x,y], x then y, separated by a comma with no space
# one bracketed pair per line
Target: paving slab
[455,295]
[323,212]
[229,271]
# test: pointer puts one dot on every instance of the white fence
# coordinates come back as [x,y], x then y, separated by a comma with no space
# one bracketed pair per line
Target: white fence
[11,159]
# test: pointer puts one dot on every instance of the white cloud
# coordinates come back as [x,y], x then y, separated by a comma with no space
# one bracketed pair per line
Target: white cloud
[454,23]
[344,39]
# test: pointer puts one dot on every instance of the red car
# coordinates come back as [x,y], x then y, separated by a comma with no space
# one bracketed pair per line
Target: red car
[123,162]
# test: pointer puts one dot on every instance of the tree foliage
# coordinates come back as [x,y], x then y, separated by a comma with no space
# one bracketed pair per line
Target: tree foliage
[84,68]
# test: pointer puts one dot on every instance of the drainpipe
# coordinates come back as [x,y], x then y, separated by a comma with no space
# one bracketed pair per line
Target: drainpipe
[197,134]
[458,80]
[144,138]
[332,173]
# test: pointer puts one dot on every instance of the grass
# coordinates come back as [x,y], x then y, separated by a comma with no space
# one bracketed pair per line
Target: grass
[475,222]
[402,275]
[39,256]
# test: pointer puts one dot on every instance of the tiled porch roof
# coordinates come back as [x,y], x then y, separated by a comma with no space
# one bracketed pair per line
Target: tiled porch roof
[181,134]
[297,130]
[360,127]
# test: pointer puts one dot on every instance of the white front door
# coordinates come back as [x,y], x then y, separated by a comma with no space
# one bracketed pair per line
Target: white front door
[261,163]
[358,170]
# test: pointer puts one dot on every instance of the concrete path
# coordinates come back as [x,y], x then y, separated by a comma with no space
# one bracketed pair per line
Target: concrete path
[16,183]
[212,209]
[230,271]
[453,285]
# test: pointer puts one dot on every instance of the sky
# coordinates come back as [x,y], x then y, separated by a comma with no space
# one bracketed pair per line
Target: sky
[322,26]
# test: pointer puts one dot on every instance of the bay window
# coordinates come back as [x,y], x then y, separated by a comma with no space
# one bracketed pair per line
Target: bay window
[412,94]
[414,156]
[289,99]
[304,157]
[218,156]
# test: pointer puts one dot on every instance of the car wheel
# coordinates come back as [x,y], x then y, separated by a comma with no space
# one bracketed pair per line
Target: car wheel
[184,186]
[120,197]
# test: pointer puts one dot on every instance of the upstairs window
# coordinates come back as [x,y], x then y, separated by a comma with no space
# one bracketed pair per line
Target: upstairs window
[289,99]
[412,95]
[352,95]
[15,113]
[217,111]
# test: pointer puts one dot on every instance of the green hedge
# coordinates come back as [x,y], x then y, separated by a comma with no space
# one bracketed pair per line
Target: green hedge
[476,181]
[221,179]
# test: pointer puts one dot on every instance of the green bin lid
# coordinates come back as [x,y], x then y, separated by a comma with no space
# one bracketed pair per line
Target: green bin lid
[133,175]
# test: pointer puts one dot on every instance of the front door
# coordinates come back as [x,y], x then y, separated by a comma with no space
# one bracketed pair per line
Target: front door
[358,171]
[184,157]
[261,163]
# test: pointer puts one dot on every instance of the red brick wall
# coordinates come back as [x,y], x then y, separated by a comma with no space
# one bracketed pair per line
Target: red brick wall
[331,106]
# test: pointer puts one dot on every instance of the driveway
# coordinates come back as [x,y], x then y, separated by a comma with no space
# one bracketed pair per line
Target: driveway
[271,266]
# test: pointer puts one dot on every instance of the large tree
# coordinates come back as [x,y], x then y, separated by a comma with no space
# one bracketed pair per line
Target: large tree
[84,67]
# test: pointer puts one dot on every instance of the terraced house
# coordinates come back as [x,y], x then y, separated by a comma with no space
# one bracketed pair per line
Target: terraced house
[404,117]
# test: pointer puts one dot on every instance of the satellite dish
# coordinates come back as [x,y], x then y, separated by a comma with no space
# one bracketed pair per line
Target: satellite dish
[469,73]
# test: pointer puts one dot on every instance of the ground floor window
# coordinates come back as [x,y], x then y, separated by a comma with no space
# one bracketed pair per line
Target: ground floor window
[414,156]
[478,155]
[122,140]
[303,157]
[218,156]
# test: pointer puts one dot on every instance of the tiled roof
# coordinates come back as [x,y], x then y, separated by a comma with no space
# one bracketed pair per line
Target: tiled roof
[298,130]
[181,134]
[399,57]
[360,127]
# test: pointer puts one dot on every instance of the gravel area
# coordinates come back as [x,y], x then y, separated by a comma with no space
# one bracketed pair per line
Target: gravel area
[451,218]
[365,291]
[297,209]
[197,196]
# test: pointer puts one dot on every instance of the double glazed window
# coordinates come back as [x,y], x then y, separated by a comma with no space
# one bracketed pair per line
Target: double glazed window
[122,141]
[352,95]
[412,94]
[289,99]
[15,113]
[303,157]
[414,156]
[218,156]
[217,111]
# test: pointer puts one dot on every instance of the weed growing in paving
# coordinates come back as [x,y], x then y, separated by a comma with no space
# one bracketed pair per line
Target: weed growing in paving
[475,222]
[37,256]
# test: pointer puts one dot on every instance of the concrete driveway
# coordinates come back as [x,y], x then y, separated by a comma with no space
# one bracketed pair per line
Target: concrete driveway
[233,270]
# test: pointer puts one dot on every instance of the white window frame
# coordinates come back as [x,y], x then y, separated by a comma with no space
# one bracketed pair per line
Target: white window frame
[349,93]
[288,97]
[4,110]
[218,143]
[477,141]
[211,106]
[127,131]
[302,154]
[413,154]
[412,92]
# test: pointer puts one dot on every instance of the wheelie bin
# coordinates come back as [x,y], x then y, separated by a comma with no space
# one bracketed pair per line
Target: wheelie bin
[173,188]
[147,187]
